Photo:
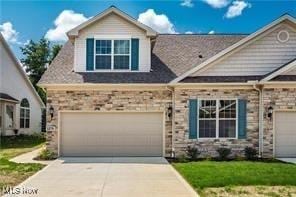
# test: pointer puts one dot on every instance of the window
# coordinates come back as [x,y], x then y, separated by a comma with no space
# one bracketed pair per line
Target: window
[217,118]
[103,54]
[207,119]
[9,117]
[112,54]
[25,114]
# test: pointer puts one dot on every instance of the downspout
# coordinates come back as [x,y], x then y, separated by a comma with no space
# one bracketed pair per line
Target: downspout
[172,90]
[260,122]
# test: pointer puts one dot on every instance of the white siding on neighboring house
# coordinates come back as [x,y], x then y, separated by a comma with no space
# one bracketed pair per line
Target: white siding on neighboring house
[258,58]
[112,25]
[14,84]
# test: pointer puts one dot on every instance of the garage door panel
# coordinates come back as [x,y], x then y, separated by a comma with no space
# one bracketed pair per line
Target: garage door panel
[285,134]
[111,134]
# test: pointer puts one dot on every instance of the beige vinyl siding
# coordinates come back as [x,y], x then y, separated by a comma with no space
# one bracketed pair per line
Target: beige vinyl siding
[112,25]
[258,58]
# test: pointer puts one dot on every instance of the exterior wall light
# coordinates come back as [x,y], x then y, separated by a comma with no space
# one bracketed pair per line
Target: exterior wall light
[169,112]
[270,112]
[51,111]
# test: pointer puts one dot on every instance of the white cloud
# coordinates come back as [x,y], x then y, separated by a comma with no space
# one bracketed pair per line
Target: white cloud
[9,33]
[217,3]
[187,3]
[236,8]
[158,22]
[212,32]
[188,32]
[66,20]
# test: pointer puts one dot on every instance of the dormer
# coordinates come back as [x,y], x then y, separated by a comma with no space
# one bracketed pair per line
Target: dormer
[112,41]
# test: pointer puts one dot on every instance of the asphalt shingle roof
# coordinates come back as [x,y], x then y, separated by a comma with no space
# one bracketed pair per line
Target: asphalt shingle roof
[7,97]
[172,55]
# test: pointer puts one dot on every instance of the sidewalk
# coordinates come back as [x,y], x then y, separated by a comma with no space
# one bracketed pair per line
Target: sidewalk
[28,158]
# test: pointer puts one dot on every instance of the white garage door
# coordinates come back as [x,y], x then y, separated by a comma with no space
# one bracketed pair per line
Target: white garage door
[285,134]
[111,134]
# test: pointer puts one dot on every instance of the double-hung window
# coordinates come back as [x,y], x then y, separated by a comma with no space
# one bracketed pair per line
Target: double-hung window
[25,114]
[217,118]
[112,54]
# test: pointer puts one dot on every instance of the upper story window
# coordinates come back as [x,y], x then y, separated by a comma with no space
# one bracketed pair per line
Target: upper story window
[112,55]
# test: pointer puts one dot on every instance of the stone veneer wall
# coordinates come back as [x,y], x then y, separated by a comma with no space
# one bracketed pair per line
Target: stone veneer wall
[279,99]
[106,101]
[208,147]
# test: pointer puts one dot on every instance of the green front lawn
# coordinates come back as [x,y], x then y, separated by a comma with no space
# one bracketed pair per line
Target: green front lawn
[211,174]
[12,173]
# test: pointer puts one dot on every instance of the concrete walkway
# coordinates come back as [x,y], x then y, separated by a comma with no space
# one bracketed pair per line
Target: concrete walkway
[29,158]
[109,177]
[288,160]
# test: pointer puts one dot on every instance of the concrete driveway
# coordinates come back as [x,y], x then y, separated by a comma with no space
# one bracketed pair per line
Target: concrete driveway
[109,177]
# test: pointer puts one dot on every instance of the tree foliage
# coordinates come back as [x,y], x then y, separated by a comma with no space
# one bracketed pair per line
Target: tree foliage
[37,56]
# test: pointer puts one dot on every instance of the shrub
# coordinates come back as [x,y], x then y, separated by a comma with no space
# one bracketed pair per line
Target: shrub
[251,153]
[223,153]
[182,158]
[192,152]
[46,154]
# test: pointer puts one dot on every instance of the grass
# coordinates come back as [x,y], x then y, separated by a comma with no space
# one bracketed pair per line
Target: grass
[212,174]
[12,173]
[12,146]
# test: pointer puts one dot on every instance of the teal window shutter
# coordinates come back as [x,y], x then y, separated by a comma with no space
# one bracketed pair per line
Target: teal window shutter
[89,54]
[242,118]
[135,54]
[193,114]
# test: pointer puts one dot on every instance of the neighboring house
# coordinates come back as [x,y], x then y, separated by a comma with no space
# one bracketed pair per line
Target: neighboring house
[118,88]
[20,105]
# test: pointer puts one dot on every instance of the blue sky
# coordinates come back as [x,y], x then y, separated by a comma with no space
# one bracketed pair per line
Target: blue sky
[24,20]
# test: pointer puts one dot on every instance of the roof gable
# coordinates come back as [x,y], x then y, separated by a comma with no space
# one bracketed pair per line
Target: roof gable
[20,69]
[111,10]
[237,46]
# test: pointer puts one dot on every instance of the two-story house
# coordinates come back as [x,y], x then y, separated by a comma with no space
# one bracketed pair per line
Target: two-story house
[118,88]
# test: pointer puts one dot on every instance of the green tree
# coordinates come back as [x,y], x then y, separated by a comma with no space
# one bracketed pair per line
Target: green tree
[37,57]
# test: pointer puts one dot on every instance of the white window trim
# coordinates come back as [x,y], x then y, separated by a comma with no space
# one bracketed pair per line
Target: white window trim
[217,120]
[25,117]
[13,117]
[113,54]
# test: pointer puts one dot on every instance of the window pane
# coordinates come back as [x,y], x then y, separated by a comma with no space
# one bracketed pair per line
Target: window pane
[103,46]
[121,46]
[27,113]
[9,116]
[22,123]
[227,109]
[121,62]
[103,62]
[227,128]
[27,123]
[207,109]
[25,103]
[207,128]
[22,113]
